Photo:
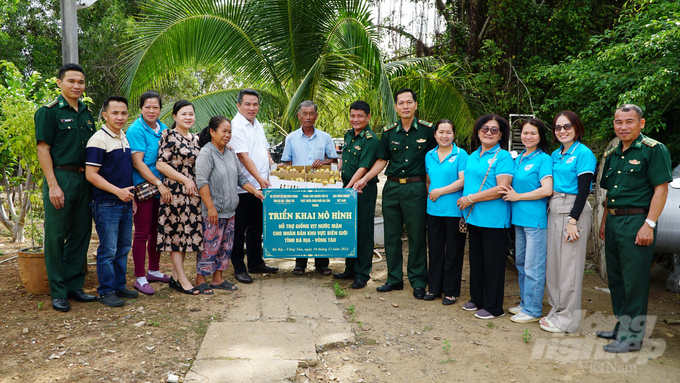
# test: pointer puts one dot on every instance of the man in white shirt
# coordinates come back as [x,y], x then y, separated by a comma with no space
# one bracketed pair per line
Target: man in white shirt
[251,147]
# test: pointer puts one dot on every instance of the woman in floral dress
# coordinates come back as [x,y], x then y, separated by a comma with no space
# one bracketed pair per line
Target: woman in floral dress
[179,222]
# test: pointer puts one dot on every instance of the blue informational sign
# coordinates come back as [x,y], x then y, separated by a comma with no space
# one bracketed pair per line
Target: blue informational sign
[310,223]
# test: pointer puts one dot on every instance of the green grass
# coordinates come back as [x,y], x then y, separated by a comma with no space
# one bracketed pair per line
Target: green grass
[339,291]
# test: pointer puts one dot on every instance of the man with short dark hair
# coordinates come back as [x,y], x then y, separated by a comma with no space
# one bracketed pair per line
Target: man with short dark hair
[309,146]
[636,176]
[108,166]
[404,144]
[62,129]
[251,147]
[358,155]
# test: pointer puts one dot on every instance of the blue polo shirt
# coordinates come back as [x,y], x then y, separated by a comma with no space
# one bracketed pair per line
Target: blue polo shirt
[443,174]
[303,150]
[566,168]
[529,172]
[111,154]
[143,139]
[495,213]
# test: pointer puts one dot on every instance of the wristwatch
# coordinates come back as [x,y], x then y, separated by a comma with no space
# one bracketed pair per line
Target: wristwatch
[651,223]
[159,182]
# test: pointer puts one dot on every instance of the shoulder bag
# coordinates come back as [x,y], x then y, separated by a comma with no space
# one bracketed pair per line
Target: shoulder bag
[462,225]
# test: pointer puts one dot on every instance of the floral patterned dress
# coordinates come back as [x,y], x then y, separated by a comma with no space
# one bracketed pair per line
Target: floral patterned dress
[179,222]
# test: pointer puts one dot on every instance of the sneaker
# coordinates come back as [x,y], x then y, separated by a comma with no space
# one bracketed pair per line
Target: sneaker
[524,318]
[483,314]
[111,300]
[125,293]
[469,306]
[145,288]
[515,310]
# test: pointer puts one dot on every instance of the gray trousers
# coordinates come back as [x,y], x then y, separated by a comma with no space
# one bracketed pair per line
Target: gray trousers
[565,263]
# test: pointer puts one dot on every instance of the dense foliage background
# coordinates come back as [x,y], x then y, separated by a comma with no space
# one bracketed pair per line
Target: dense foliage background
[503,56]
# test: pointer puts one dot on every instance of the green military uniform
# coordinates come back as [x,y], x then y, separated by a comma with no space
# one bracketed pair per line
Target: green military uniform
[67,230]
[629,178]
[359,152]
[405,199]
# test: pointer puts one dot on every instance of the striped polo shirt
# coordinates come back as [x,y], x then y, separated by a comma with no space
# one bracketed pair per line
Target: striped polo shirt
[111,154]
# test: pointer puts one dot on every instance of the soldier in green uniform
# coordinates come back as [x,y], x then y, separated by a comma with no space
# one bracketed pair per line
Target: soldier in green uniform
[358,156]
[404,145]
[636,176]
[62,129]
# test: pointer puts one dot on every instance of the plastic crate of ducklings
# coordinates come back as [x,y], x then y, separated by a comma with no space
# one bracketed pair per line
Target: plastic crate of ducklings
[305,177]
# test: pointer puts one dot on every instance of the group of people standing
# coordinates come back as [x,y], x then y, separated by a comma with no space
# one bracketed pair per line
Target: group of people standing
[181,190]
[436,187]
[207,198]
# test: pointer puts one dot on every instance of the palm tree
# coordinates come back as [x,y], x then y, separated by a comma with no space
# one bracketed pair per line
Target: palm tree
[289,50]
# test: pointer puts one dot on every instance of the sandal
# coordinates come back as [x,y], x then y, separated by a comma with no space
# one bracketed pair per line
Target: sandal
[181,289]
[172,283]
[324,270]
[203,287]
[547,325]
[298,271]
[224,286]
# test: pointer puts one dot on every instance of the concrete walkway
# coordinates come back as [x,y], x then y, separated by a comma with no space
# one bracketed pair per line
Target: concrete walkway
[281,324]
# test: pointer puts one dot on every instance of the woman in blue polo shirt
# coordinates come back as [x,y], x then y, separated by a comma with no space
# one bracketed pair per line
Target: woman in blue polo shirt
[531,187]
[568,224]
[488,216]
[143,136]
[444,165]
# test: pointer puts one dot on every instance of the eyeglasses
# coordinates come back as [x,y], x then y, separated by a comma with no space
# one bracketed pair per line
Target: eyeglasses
[486,129]
[566,127]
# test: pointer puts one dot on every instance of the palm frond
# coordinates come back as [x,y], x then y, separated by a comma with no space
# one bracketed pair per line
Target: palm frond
[180,34]
[223,102]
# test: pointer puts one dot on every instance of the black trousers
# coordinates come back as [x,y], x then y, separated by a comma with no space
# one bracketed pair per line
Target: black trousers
[487,267]
[248,229]
[447,248]
[318,262]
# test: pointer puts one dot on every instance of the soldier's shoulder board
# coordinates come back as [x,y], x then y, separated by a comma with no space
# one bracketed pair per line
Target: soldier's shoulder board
[390,126]
[428,124]
[650,142]
[51,103]
[610,151]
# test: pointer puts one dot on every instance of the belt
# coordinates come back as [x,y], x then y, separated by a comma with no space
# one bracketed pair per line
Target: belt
[406,180]
[630,211]
[70,168]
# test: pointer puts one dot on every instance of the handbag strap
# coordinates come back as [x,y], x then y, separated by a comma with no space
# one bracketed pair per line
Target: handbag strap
[483,181]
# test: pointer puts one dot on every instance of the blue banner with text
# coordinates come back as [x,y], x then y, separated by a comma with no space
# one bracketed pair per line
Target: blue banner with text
[310,223]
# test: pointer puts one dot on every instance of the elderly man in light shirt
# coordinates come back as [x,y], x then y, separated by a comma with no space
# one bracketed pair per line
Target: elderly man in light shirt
[251,147]
[311,147]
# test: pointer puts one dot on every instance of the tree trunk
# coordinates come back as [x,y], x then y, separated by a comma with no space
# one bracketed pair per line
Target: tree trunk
[598,212]
[18,233]
[474,15]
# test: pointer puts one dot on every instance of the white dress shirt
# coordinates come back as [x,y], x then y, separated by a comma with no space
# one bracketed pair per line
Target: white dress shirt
[249,138]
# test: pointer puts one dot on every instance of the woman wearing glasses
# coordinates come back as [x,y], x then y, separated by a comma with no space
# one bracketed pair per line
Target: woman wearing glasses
[488,169]
[568,224]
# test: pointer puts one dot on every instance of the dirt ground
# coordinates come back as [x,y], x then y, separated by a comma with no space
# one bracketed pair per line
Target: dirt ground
[399,338]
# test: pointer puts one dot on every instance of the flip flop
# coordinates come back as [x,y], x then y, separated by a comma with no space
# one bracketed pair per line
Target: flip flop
[549,326]
[324,271]
[202,287]
[224,286]
[298,271]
